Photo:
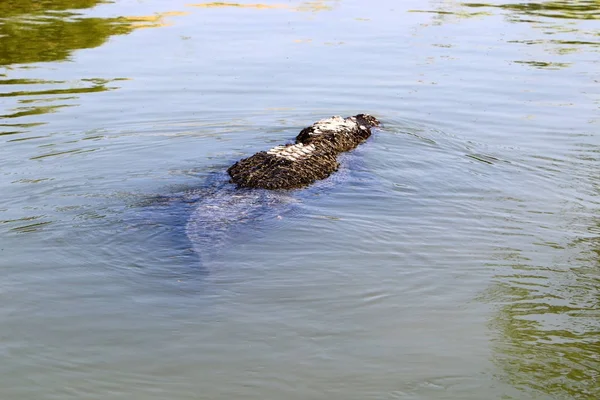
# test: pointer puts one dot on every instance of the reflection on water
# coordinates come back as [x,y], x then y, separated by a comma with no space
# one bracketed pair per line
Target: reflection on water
[549,326]
[448,14]
[543,16]
[13,8]
[238,5]
[52,31]
[314,6]
[570,9]
[30,106]
[544,64]
[558,36]
[34,32]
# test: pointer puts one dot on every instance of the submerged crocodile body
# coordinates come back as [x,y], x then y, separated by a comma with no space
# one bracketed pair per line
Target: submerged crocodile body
[223,213]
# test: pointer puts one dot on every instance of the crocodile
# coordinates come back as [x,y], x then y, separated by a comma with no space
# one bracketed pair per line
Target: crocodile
[263,186]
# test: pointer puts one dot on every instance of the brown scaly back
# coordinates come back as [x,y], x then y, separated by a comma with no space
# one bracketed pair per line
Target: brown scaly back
[311,158]
[341,134]
[284,167]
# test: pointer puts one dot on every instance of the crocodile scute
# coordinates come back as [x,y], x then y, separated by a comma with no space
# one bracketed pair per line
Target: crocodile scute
[312,157]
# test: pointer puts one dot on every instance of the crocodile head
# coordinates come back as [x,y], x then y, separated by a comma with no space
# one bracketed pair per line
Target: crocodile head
[337,133]
[367,120]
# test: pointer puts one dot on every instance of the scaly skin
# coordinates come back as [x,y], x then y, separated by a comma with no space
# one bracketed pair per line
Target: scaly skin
[311,158]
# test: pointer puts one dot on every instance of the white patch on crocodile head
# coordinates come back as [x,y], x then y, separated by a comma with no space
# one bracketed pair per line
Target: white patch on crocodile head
[293,152]
[333,125]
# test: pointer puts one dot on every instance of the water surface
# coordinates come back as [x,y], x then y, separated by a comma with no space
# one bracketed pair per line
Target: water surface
[456,256]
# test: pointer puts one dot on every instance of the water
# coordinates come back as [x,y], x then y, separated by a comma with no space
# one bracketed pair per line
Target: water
[456,257]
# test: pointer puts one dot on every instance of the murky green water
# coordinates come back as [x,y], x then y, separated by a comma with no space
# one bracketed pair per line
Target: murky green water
[456,256]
